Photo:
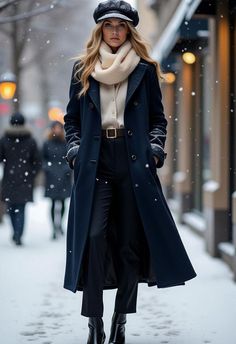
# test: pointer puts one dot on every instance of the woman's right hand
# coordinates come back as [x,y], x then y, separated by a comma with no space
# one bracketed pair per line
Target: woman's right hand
[155,159]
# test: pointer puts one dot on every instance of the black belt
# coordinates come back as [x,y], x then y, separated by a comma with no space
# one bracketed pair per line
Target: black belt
[112,133]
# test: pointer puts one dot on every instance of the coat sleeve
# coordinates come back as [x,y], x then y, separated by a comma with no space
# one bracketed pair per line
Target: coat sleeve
[72,124]
[157,120]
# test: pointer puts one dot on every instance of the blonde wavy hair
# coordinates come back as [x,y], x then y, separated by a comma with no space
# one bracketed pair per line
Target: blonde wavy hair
[86,61]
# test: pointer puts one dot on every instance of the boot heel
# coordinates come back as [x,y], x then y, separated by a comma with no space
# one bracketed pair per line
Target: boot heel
[117,335]
[96,331]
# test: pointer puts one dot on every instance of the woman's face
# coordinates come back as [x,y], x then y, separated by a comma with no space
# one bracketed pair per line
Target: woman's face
[114,32]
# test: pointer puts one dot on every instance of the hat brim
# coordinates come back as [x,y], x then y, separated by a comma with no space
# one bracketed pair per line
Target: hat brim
[114,15]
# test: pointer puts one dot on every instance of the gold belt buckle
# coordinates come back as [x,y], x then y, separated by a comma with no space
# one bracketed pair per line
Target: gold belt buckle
[110,136]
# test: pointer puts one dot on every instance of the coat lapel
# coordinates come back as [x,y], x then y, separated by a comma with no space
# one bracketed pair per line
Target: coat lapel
[135,79]
[93,92]
[133,82]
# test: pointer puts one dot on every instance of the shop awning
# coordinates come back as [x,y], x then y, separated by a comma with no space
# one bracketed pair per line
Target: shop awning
[169,36]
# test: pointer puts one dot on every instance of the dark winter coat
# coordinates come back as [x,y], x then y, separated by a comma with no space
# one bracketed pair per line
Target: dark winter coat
[145,136]
[58,176]
[21,158]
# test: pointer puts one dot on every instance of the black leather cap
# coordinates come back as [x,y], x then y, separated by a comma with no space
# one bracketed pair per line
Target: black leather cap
[116,9]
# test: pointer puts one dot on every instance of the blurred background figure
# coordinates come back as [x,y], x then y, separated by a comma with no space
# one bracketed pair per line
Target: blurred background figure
[20,156]
[58,178]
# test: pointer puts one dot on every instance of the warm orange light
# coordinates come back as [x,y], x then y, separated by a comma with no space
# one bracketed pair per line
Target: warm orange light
[7,89]
[169,78]
[55,114]
[189,58]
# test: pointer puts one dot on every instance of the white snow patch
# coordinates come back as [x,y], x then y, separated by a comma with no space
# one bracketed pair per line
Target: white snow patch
[35,307]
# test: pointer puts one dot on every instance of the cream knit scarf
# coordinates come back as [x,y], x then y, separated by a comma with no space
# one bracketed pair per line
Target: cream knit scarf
[112,68]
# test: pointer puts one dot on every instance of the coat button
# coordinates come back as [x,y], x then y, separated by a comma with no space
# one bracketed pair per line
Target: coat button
[133,157]
[129,132]
[135,103]
[91,106]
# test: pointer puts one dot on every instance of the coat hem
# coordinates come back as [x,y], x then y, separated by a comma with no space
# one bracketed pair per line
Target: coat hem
[150,284]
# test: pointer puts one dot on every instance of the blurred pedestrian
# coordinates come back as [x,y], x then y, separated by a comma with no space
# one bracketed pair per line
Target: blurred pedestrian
[120,229]
[58,177]
[20,156]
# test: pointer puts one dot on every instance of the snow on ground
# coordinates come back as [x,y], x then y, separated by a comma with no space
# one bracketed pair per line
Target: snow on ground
[35,308]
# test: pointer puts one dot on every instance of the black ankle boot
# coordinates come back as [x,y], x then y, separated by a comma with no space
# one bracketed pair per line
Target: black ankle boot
[117,335]
[96,331]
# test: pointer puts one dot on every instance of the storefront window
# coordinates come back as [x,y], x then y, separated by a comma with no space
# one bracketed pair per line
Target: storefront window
[201,131]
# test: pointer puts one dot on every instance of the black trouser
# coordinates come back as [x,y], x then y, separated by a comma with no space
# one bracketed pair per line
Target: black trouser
[17,216]
[113,181]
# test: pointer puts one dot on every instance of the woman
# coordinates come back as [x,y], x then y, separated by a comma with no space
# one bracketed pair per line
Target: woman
[57,175]
[20,156]
[120,229]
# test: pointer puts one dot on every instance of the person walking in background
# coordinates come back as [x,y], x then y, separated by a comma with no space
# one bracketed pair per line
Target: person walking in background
[20,155]
[58,176]
[120,229]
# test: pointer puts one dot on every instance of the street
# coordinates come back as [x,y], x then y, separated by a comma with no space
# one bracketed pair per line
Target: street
[35,307]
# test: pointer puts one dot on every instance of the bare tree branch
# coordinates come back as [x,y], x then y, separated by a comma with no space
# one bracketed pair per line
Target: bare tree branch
[7,4]
[33,13]
[25,24]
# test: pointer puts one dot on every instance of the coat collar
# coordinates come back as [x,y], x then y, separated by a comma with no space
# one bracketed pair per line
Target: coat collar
[133,82]
[93,92]
[135,79]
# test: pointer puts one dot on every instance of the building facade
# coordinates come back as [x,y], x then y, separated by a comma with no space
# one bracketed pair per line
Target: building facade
[196,45]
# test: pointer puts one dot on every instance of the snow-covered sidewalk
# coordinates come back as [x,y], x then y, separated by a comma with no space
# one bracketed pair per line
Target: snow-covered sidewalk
[34,307]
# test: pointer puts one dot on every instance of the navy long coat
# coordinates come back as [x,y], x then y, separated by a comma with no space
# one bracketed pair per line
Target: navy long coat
[145,136]
[56,171]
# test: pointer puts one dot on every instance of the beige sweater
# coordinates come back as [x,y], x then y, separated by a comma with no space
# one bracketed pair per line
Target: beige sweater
[112,100]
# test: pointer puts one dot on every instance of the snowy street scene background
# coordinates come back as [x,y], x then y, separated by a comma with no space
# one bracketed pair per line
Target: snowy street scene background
[194,41]
[35,307]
